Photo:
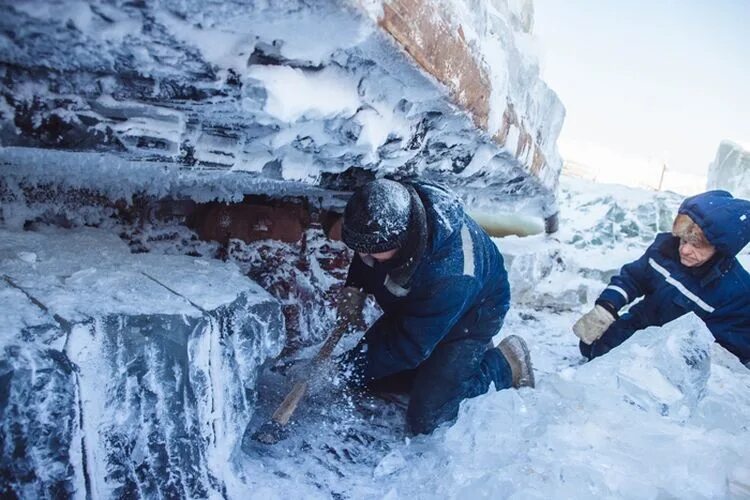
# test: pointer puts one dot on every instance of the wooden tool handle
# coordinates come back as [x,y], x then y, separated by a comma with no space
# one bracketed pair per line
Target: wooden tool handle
[287,407]
[325,352]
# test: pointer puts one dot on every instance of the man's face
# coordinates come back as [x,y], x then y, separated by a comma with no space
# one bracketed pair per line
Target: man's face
[695,254]
[381,256]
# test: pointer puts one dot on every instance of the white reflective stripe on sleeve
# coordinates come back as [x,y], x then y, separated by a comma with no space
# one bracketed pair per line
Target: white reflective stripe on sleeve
[619,290]
[679,286]
[468,247]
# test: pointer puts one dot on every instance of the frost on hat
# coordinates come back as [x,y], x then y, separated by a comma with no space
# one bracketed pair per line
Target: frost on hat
[376,218]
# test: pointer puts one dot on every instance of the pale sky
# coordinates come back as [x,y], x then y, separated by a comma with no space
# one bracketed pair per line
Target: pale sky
[657,81]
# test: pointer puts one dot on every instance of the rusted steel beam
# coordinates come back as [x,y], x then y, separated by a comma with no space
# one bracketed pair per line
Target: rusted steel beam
[442,51]
[438,46]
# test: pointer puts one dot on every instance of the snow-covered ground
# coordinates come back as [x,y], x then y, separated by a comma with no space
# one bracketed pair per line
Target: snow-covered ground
[663,416]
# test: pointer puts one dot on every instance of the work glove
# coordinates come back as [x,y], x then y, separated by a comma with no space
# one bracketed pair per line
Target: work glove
[350,303]
[593,324]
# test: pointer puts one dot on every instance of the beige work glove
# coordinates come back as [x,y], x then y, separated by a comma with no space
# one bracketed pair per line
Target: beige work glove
[593,324]
[350,303]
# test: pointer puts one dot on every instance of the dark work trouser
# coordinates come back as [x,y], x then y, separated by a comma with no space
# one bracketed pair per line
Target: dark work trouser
[455,371]
[460,366]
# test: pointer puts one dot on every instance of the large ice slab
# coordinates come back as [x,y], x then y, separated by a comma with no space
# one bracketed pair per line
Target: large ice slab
[663,415]
[165,351]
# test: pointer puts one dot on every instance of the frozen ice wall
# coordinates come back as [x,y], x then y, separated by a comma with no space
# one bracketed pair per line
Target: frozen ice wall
[124,375]
[730,170]
[39,421]
[281,92]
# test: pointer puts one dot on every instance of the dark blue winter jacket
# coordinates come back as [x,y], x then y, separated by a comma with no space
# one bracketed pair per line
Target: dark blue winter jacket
[718,292]
[457,272]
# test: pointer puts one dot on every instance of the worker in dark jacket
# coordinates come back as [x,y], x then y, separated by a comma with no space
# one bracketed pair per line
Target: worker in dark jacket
[694,269]
[443,289]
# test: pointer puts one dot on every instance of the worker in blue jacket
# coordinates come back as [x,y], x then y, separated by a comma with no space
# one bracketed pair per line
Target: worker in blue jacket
[694,269]
[443,289]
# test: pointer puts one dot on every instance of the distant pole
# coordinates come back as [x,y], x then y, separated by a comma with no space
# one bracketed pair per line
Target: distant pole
[661,179]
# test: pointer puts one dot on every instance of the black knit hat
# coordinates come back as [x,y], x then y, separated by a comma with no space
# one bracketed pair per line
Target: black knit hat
[376,218]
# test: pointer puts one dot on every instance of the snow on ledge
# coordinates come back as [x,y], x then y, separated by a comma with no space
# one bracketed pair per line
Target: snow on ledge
[87,273]
[119,178]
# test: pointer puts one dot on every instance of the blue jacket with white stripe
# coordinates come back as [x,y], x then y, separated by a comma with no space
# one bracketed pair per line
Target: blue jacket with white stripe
[718,292]
[453,271]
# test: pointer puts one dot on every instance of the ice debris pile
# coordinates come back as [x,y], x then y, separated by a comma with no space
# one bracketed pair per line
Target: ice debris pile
[665,415]
[602,227]
[124,375]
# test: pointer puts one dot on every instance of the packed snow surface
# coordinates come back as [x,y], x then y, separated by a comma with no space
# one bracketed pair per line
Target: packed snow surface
[659,417]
